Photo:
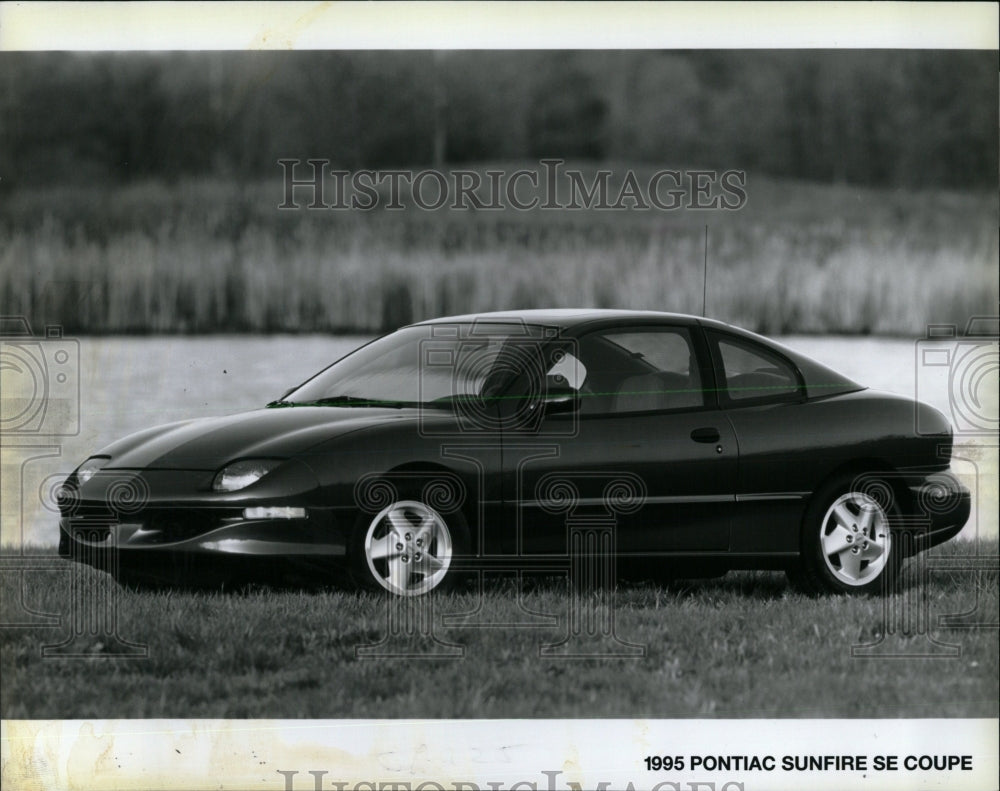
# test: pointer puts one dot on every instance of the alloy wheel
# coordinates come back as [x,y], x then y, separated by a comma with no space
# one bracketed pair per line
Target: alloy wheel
[408,548]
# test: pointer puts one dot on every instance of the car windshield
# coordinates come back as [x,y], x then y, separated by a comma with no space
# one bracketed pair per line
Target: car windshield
[432,364]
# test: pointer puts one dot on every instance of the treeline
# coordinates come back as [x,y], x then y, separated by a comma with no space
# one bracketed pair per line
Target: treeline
[899,118]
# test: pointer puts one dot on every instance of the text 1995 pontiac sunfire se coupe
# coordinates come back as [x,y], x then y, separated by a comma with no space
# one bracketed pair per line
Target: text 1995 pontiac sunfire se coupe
[493,440]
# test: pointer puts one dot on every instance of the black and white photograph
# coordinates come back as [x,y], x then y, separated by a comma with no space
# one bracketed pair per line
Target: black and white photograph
[499,396]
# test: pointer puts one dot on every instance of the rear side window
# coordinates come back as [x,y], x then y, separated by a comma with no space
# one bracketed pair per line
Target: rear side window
[664,350]
[752,373]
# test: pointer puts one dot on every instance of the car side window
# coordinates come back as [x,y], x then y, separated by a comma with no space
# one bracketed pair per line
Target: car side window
[752,373]
[639,370]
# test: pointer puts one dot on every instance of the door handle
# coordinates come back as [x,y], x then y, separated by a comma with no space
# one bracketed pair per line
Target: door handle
[706,434]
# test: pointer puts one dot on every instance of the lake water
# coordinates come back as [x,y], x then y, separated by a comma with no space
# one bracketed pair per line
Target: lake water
[130,383]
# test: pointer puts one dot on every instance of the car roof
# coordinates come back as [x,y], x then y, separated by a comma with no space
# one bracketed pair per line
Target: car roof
[570,317]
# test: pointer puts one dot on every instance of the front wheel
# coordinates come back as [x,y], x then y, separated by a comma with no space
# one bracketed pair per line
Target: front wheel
[847,540]
[408,548]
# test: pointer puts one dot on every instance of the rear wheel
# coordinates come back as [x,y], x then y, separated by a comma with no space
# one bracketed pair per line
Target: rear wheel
[847,540]
[408,548]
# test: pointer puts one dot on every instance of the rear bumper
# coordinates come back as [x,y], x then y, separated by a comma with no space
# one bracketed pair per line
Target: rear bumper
[941,507]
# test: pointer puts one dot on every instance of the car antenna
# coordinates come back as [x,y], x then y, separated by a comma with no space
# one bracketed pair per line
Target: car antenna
[704,287]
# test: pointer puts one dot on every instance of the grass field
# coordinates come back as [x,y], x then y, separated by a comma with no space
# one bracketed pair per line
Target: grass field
[209,256]
[740,646]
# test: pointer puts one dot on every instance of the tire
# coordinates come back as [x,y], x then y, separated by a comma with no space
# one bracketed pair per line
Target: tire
[407,548]
[847,539]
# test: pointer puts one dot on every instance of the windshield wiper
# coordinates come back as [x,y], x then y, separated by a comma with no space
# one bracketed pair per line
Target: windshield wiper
[347,400]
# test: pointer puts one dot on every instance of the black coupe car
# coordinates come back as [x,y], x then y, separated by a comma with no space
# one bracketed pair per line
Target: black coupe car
[524,440]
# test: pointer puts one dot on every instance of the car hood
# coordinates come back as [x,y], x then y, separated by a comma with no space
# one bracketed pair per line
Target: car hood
[208,443]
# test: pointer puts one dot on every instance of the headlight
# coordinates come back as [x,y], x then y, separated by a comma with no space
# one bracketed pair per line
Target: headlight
[241,474]
[89,468]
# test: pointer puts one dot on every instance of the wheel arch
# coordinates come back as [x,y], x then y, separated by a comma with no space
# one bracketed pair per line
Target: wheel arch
[858,467]
[413,474]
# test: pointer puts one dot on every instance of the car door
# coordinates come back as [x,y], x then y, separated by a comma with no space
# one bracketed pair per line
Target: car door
[763,396]
[646,449]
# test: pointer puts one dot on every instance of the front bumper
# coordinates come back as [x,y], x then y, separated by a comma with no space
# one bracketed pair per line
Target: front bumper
[199,547]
